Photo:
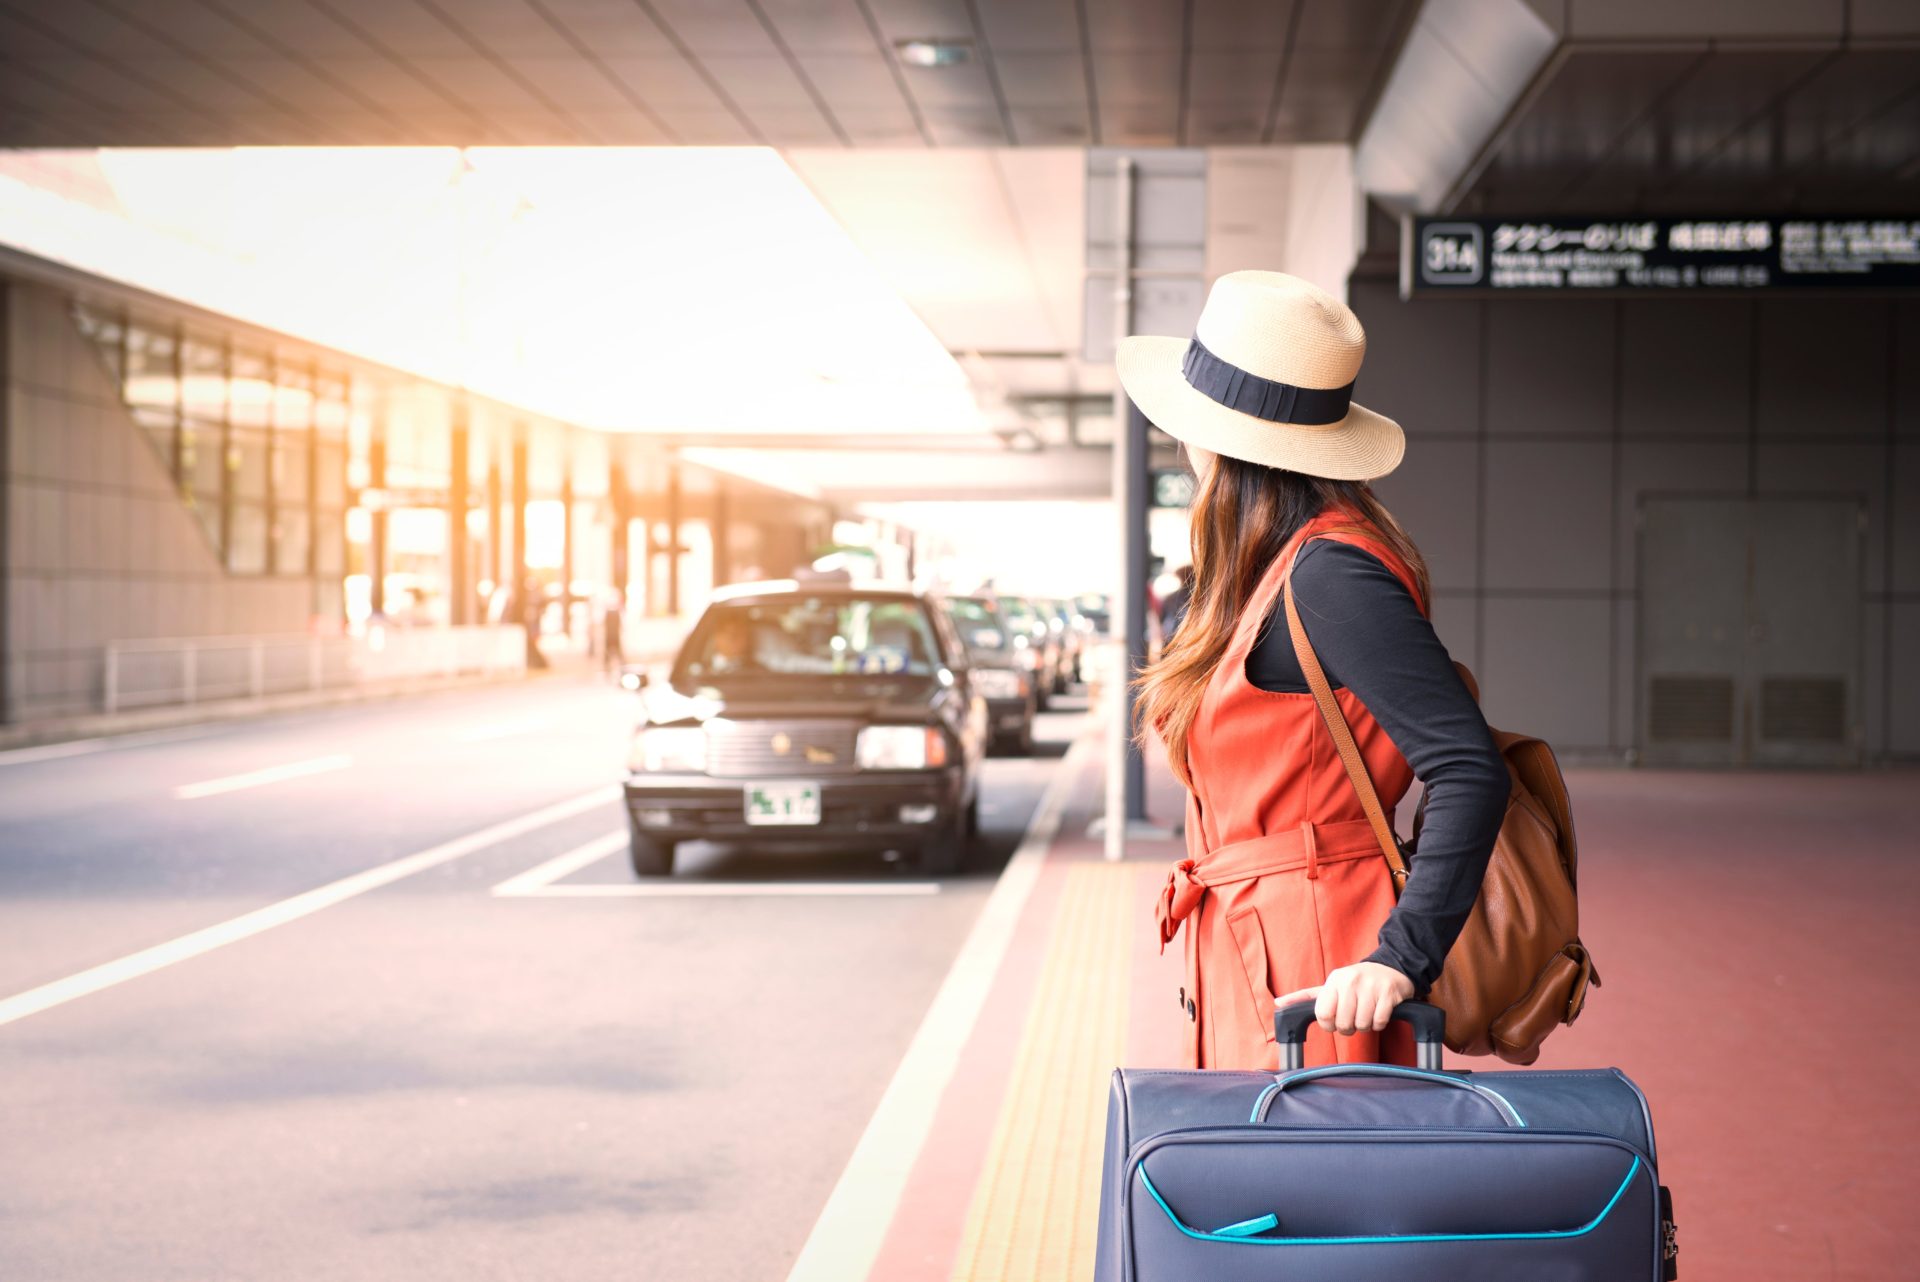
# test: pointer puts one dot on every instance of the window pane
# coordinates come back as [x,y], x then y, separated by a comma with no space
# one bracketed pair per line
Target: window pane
[103,329]
[290,535]
[247,463]
[152,388]
[200,471]
[293,399]
[290,467]
[204,393]
[150,375]
[248,555]
[252,389]
[331,484]
[329,548]
[331,409]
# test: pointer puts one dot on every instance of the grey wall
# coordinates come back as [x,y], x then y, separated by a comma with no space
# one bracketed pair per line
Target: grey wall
[1534,425]
[98,546]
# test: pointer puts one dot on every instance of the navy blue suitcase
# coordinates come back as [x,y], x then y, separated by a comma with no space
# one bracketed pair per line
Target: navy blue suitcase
[1377,1171]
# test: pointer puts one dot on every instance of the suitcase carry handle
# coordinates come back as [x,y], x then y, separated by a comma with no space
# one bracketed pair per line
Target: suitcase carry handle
[1508,1113]
[1290,1024]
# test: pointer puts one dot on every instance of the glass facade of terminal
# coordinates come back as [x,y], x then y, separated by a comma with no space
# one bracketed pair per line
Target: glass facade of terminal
[298,463]
[256,443]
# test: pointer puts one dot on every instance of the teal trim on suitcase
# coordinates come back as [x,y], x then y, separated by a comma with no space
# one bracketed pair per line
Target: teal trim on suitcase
[1217,1236]
[1247,1228]
[1498,1100]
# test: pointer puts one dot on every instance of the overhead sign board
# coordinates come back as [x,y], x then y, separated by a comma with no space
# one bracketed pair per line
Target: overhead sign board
[1575,255]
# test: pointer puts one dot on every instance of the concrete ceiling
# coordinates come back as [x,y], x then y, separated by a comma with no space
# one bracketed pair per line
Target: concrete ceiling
[1703,127]
[83,73]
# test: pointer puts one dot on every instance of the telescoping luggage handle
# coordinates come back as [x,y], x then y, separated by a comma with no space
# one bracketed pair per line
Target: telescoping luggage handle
[1290,1025]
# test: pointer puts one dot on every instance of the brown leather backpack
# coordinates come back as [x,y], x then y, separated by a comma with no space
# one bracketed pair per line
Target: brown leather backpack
[1518,969]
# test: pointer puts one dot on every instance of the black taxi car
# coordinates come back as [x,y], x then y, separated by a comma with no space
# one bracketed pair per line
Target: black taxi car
[823,715]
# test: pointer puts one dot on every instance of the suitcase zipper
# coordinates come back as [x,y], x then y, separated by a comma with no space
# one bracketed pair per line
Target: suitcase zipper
[1246,1133]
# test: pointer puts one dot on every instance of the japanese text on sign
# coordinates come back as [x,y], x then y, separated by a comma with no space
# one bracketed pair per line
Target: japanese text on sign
[1662,254]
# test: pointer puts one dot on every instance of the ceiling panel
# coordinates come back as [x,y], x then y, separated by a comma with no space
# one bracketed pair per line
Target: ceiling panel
[1710,128]
[852,79]
[907,19]
[609,27]
[401,26]
[1223,26]
[1030,26]
[666,83]
[294,26]
[781,69]
[1136,26]
[1051,126]
[1707,107]
[1043,79]
[1149,77]
[820,26]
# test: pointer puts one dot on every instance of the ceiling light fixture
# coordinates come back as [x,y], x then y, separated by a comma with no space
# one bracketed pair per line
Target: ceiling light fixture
[934,52]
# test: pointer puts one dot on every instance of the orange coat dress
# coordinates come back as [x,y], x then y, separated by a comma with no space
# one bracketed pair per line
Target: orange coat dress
[1283,880]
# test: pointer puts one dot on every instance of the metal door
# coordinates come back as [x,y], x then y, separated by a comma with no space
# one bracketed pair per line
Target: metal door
[1749,630]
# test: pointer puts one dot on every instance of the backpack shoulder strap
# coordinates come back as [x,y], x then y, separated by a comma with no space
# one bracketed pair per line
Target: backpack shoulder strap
[1343,738]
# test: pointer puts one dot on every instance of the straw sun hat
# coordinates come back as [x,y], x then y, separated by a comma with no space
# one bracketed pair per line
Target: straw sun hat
[1267,377]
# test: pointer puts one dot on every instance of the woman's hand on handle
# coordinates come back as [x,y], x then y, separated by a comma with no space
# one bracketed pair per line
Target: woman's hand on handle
[1354,999]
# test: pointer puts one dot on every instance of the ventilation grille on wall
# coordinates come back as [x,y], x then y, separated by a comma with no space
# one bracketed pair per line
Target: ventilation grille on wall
[1804,709]
[1688,708]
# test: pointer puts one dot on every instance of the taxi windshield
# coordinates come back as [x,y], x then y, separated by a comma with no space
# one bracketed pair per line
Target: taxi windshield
[977,624]
[825,636]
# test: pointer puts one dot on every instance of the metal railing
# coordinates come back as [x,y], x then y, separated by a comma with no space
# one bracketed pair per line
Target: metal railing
[189,670]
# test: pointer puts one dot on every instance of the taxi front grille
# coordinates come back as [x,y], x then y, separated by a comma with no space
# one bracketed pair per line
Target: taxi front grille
[754,749]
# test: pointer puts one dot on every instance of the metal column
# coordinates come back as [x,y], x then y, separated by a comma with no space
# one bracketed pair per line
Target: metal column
[1126,770]
[566,540]
[617,500]
[377,536]
[460,589]
[673,538]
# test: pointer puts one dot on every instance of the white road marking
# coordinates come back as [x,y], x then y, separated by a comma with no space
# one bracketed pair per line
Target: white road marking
[235,929]
[847,1237]
[503,729]
[538,882]
[271,774]
[540,877]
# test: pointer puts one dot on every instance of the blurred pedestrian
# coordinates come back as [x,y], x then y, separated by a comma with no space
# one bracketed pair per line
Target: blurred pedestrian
[612,652]
[1287,891]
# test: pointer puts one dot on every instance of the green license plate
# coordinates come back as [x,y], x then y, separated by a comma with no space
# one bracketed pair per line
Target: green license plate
[783,803]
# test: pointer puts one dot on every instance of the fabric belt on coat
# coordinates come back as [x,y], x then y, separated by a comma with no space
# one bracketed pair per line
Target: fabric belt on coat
[1306,846]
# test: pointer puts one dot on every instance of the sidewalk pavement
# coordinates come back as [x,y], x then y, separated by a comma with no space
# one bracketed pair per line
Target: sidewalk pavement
[1747,926]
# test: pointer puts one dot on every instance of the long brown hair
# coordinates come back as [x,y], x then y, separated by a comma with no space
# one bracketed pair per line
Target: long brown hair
[1242,516]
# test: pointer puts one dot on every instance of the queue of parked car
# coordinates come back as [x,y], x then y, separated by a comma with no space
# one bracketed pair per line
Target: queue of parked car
[826,712]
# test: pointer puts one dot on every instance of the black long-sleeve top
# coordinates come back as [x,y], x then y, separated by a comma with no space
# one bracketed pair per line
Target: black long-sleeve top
[1371,638]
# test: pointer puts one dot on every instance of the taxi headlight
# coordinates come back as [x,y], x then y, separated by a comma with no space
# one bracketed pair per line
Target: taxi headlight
[669,748]
[900,748]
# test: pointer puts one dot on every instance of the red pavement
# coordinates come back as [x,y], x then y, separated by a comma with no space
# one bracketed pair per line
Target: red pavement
[1753,930]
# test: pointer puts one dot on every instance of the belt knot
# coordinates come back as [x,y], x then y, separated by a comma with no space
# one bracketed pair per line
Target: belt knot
[1178,898]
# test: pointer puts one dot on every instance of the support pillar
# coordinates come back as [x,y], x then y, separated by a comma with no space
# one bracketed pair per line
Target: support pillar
[617,500]
[496,536]
[673,538]
[1130,446]
[377,534]
[459,579]
[566,543]
[527,600]
[722,562]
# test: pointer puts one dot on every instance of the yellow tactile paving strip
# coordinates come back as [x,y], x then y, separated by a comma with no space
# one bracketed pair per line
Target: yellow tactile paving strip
[1033,1213]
